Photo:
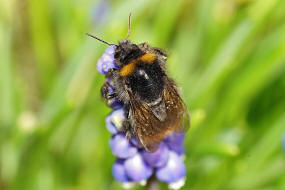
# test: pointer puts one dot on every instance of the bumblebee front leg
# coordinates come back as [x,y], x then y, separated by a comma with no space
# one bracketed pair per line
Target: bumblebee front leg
[130,133]
[107,91]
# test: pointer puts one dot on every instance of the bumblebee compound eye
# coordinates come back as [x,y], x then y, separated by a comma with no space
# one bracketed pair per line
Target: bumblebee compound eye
[118,52]
[116,56]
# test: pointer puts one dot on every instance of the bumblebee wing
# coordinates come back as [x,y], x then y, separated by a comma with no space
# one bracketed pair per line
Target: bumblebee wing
[146,126]
[151,130]
[158,109]
[178,115]
[185,122]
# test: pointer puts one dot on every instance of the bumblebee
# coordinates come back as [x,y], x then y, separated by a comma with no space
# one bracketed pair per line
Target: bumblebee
[151,99]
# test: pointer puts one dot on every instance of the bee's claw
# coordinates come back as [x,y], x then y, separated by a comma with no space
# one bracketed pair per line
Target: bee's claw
[110,96]
[128,135]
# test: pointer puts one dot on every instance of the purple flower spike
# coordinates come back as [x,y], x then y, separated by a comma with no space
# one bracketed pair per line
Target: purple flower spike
[107,61]
[110,50]
[158,158]
[119,171]
[173,171]
[175,141]
[121,146]
[176,138]
[110,125]
[136,142]
[115,104]
[114,121]
[180,150]
[137,169]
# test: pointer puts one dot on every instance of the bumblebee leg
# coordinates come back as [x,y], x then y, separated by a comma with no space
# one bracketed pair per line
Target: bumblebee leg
[126,128]
[129,135]
[107,91]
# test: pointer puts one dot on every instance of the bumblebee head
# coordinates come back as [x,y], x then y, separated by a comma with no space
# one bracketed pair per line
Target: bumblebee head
[126,51]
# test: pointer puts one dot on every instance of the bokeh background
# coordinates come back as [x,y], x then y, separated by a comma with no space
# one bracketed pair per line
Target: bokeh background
[228,56]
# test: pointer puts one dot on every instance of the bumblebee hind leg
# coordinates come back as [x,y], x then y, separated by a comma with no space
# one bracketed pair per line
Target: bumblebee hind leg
[127,129]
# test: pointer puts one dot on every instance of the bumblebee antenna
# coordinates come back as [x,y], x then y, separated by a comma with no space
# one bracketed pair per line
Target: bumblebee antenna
[90,35]
[129,28]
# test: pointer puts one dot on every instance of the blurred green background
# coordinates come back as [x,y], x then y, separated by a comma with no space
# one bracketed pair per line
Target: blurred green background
[228,56]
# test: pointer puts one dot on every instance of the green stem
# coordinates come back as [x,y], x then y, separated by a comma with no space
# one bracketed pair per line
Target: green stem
[152,183]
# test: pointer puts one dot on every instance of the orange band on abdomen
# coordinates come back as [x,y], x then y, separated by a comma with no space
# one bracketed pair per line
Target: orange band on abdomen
[147,58]
[127,69]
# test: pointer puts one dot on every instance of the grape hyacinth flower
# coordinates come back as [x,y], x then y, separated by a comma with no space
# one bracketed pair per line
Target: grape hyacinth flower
[134,164]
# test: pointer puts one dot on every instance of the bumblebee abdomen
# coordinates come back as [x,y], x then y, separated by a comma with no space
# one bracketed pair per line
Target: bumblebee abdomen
[147,82]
